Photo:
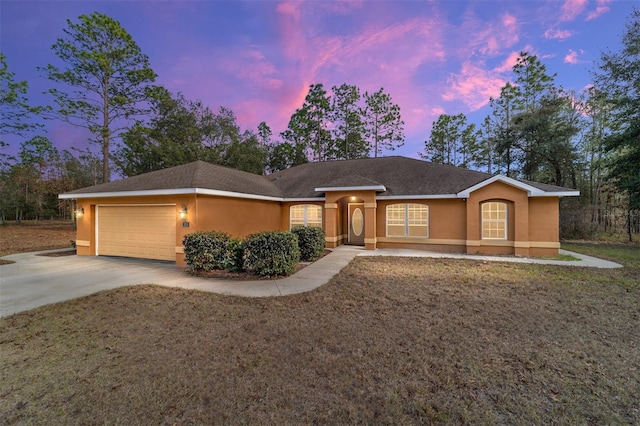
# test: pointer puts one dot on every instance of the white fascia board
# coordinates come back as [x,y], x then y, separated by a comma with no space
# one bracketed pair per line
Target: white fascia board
[532,191]
[379,188]
[559,194]
[417,197]
[177,191]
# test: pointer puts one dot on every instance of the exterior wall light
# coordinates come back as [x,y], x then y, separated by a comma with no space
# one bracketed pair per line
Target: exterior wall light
[79,212]
[183,212]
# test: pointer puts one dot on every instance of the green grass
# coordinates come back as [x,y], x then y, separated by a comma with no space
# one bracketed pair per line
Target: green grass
[566,257]
[627,254]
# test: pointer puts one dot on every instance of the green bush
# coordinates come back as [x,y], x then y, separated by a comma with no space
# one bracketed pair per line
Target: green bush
[271,253]
[206,251]
[310,241]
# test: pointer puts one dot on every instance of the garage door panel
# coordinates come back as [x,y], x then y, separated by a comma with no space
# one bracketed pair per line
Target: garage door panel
[137,231]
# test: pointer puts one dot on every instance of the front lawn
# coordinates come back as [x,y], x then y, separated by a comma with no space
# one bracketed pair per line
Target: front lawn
[388,340]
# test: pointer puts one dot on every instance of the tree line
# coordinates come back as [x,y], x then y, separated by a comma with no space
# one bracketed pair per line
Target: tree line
[107,86]
[541,132]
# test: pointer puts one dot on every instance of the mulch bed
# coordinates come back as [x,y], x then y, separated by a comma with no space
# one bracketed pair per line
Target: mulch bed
[221,274]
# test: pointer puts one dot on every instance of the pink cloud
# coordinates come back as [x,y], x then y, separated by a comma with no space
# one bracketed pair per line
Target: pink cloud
[509,21]
[437,111]
[572,56]
[554,33]
[489,38]
[342,7]
[473,86]
[375,56]
[507,64]
[572,8]
[291,8]
[255,70]
[601,8]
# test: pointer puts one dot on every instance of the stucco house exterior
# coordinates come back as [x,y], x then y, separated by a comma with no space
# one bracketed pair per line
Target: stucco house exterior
[388,202]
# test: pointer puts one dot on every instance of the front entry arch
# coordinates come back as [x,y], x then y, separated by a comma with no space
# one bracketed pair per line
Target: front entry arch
[356,224]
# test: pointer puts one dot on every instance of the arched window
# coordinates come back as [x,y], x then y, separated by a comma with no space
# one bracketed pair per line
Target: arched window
[306,215]
[494,220]
[408,220]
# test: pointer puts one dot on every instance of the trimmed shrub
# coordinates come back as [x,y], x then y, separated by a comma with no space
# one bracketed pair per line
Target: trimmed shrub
[310,240]
[271,253]
[206,251]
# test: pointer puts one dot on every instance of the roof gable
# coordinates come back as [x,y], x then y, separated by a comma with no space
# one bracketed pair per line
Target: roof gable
[531,190]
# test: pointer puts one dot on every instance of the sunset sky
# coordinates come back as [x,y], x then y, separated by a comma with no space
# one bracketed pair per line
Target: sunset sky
[259,57]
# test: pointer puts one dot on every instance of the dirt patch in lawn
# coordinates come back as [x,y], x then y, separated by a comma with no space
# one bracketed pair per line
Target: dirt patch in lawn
[35,236]
[388,340]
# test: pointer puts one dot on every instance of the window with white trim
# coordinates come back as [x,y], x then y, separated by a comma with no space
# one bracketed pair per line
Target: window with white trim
[408,220]
[306,215]
[494,221]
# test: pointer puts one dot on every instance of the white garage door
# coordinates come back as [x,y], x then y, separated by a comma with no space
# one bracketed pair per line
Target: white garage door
[137,231]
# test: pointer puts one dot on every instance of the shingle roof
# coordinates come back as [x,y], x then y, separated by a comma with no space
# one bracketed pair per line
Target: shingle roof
[198,174]
[351,181]
[401,176]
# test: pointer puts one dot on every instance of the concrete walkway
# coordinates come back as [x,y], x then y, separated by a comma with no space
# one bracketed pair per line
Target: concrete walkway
[585,261]
[39,280]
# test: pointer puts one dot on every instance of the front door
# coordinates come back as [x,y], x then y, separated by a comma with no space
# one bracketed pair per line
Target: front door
[356,224]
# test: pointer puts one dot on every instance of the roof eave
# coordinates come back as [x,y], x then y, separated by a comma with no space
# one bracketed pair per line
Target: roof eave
[175,191]
[417,197]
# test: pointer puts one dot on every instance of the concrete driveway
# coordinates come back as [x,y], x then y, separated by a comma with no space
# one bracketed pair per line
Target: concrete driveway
[40,280]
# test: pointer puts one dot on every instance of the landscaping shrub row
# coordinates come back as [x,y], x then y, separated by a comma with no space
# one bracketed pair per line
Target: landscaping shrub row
[265,253]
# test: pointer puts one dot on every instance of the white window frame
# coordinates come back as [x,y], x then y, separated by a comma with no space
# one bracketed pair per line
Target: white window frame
[407,221]
[305,216]
[484,221]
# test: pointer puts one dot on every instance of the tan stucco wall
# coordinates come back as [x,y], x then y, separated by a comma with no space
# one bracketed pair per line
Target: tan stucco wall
[517,220]
[86,232]
[544,213]
[533,222]
[447,221]
[238,217]
[454,224]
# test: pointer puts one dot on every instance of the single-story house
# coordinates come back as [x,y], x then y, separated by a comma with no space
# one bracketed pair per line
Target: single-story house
[389,202]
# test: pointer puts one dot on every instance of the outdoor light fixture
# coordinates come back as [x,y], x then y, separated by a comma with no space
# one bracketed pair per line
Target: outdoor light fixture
[183,212]
[79,212]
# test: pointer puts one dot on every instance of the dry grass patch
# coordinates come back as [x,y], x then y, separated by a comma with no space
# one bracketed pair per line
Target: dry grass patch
[35,236]
[389,340]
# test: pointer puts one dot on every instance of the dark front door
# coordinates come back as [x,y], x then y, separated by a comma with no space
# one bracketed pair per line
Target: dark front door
[356,224]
